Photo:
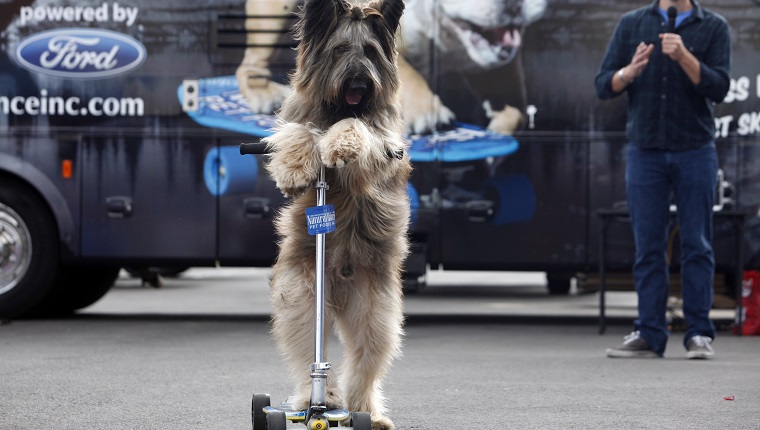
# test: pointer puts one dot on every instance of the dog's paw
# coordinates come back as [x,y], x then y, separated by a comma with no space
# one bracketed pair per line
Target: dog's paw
[301,398]
[504,121]
[423,110]
[423,118]
[291,175]
[264,96]
[343,142]
[334,399]
[294,183]
[381,422]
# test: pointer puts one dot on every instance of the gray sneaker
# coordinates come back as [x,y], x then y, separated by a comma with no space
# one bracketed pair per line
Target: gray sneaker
[698,347]
[633,346]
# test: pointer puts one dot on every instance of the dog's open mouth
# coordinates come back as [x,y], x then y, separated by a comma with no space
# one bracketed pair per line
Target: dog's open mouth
[355,91]
[500,44]
[508,38]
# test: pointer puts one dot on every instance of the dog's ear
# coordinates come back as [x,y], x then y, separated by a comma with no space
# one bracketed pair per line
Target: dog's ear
[319,18]
[392,11]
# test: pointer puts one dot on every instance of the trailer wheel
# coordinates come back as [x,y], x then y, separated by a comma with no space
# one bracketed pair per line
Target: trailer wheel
[28,249]
[558,283]
[92,284]
[77,287]
[165,271]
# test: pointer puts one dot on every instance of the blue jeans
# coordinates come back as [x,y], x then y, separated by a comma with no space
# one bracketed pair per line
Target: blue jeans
[650,177]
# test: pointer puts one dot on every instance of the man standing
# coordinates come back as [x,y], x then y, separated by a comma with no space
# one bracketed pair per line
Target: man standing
[672,58]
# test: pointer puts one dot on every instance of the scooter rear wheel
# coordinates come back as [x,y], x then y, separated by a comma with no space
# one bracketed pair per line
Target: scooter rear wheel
[361,421]
[259,417]
[276,421]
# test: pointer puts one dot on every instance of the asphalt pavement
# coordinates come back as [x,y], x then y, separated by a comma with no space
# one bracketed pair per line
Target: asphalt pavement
[482,351]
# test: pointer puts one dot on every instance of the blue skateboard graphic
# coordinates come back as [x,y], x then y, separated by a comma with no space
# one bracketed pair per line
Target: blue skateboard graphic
[222,106]
[464,142]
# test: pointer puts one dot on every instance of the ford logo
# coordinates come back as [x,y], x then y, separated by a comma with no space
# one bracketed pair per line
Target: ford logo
[80,53]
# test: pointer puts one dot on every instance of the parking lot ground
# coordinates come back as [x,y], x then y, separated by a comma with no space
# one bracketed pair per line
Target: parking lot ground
[503,295]
[190,355]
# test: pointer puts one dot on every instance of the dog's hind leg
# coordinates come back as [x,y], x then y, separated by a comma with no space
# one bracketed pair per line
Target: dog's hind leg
[292,297]
[370,326]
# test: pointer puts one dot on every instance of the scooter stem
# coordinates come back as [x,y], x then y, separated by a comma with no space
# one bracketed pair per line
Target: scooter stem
[319,368]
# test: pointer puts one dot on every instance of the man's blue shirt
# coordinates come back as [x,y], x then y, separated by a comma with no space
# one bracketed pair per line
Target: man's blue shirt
[665,109]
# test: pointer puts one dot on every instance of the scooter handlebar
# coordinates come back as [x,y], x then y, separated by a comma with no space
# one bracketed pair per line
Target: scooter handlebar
[253,148]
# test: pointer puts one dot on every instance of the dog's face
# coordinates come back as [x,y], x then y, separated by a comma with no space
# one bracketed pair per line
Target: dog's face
[490,31]
[347,55]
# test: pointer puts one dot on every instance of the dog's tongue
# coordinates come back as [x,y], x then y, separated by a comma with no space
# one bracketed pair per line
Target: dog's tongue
[354,97]
[510,38]
[355,92]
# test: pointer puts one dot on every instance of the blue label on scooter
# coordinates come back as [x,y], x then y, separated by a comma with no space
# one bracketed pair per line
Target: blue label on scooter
[320,219]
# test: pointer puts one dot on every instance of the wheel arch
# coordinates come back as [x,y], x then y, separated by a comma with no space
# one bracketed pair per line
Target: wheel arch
[25,173]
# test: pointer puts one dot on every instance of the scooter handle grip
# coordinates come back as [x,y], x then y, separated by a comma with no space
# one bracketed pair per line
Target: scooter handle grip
[253,148]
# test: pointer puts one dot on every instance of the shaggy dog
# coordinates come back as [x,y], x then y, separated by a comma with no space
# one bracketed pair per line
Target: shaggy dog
[343,112]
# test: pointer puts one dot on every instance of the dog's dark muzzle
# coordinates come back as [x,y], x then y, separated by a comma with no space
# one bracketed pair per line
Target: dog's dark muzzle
[355,91]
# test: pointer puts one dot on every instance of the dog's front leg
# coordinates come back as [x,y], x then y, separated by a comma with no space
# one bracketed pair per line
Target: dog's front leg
[294,161]
[344,142]
[367,155]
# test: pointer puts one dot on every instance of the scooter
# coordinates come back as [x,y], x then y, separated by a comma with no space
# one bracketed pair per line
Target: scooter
[317,416]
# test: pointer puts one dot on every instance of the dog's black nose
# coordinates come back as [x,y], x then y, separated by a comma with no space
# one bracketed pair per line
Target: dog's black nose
[356,90]
[358,85]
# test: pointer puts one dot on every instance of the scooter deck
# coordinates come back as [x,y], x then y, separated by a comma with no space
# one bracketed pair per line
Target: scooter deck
[297,415]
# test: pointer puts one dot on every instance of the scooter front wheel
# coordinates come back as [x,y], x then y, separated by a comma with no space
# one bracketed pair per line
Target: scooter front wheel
[318,423]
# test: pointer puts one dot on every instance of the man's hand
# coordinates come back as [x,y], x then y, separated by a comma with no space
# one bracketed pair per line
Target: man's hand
[639,61]
[634,69]
[673,47]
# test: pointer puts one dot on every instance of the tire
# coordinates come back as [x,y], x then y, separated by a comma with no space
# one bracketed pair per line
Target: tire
[361,421]
[29,249]
[167,272]
[171,272]
[77,287]
[558,283]
[258,416]
[276,421]
[411,286]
